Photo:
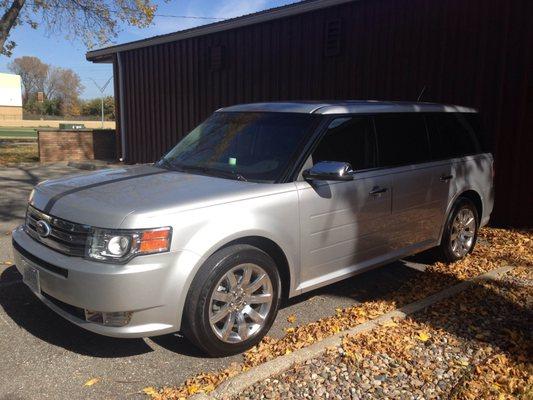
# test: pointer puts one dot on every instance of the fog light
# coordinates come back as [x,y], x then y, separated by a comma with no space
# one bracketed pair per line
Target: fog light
[115,319]
[93,316]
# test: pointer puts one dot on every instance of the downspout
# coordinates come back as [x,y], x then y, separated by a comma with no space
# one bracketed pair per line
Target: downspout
[121,105]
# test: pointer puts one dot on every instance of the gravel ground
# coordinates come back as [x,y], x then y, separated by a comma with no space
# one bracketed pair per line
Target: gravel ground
[475,345]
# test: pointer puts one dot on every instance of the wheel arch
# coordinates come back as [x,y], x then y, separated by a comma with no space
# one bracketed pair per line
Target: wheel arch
[273,250]
[470,194]
[263,243]
[475,198]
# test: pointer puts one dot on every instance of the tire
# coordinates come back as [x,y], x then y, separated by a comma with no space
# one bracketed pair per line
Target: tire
[237,301]
[460,233]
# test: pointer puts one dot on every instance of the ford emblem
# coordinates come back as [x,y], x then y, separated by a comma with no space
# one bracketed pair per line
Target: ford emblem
[43,229]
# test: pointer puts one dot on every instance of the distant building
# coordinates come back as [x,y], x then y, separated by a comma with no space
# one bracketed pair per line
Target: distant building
[10,97]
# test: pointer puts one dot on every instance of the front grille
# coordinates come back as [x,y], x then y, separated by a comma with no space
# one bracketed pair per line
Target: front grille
[65,237]
[40,262]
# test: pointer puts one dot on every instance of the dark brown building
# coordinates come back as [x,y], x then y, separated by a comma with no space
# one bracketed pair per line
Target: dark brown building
[477,53]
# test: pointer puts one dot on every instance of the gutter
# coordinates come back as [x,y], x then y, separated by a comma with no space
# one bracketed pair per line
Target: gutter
[121,103]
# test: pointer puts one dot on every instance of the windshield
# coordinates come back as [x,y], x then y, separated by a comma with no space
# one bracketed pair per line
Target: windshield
[241,145]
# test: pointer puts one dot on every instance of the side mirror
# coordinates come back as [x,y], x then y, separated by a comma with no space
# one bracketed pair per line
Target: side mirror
[329,171]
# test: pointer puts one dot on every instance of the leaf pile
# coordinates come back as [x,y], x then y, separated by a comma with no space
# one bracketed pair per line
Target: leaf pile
[495,248]
[500,367]
[12,152]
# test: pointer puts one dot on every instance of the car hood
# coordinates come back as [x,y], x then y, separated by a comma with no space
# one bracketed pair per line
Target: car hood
[105,198]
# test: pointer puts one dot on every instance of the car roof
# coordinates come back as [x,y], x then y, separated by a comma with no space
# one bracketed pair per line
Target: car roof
[346,107]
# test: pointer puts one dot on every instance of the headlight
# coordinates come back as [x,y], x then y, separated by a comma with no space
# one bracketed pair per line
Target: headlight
[121,245]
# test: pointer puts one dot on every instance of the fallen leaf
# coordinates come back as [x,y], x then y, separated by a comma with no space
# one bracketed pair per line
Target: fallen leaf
[193,389]
[91,382]
[150,391]
[423,336]
[291,319]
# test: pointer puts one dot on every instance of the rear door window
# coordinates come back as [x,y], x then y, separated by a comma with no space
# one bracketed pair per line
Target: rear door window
[402,139]
[348,140]
[450,136]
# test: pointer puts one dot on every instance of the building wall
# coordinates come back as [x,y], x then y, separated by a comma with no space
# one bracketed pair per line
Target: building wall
[10,113]
[76,145]
[10,97]
[477,53]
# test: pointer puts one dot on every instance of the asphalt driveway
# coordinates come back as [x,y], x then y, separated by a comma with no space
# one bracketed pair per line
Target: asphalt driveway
[46,357]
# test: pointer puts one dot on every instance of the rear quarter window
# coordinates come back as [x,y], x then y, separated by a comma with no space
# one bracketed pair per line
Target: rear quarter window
[402,139]
[450,136]
[475,123]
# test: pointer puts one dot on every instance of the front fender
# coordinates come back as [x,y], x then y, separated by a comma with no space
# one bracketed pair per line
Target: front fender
[204,231]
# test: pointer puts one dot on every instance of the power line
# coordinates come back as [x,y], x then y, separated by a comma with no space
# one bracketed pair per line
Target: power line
[155,15]
[188,17]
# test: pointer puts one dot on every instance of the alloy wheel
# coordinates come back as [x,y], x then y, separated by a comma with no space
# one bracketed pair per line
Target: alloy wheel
[463,232]
[240,303]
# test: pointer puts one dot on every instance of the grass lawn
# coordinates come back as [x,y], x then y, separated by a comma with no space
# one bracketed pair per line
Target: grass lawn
[16,152]
[8,132]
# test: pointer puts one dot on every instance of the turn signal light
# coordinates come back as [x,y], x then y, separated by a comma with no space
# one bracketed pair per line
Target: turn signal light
[155,241]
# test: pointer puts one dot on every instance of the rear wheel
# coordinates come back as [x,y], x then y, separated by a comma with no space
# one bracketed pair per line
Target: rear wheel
[232,301]
[460,233]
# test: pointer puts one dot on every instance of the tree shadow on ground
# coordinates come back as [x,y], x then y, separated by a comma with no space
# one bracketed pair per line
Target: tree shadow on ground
[33,316]
[37,319]
[394,282]
[482,313]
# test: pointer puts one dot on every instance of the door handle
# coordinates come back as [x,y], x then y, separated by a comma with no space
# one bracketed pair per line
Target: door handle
[377,190]
[446,178]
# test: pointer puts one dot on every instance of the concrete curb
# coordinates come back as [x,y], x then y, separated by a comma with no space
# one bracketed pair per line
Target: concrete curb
[238,383]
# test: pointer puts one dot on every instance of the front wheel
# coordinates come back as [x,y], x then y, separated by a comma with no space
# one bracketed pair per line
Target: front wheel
[460,233]
[233,300]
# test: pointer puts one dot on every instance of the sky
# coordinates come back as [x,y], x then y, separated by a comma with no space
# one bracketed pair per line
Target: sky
[59,51]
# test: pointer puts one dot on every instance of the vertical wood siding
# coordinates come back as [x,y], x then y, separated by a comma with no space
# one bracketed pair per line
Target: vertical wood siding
[476,53]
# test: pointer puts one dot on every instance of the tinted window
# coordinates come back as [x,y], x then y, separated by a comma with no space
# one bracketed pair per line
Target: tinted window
[474,121]
[348,140]
[402,139]
[256,146]
[449,136]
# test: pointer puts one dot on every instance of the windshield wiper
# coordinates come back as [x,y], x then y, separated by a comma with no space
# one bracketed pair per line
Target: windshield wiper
[227,174]
[164,163]
[212,171]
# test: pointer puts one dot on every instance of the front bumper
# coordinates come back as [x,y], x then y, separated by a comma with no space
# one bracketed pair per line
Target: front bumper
[153,287]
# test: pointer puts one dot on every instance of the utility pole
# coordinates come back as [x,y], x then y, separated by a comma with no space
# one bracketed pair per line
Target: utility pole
[102,89]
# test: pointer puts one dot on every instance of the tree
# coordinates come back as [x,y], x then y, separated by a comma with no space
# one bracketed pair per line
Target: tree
[33,73]
[93,21]
[53,80]
[94,107]
[68,89]
[61,86]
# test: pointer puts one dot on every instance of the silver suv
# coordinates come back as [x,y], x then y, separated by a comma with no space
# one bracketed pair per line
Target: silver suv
[259,203]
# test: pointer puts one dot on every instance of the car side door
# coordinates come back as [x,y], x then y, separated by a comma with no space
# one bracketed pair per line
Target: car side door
[452,140]
[420,185]
[343,224]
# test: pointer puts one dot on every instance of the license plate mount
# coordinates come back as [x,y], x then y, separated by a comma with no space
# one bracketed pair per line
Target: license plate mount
[30,277]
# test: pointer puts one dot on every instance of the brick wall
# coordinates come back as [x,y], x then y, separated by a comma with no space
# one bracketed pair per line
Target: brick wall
[11,113]
[76,145]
